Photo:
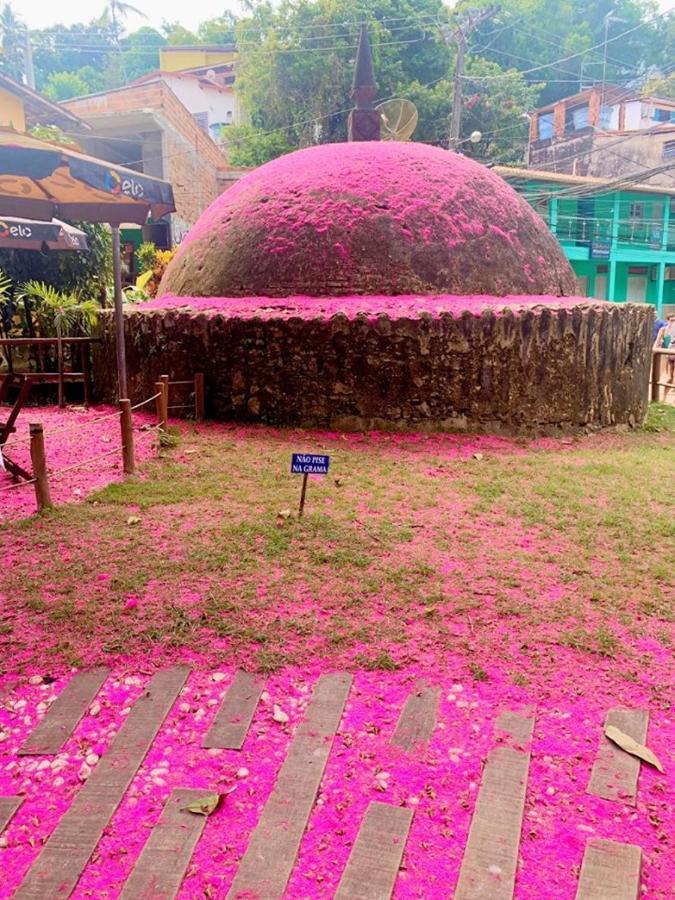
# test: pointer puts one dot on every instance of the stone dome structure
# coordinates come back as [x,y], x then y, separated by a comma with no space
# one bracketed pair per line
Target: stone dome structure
[369,218]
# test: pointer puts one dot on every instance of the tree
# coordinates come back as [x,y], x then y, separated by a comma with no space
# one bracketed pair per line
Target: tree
[663,88]
[114,16]
[141,52]
[249,146]
[64,85]
[79,48]
[12,35]
[296,61]
[529,34]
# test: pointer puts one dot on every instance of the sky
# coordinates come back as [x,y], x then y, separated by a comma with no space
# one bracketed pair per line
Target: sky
[43,13]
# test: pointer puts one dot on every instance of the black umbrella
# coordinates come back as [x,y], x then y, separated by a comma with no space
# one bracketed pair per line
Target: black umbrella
[27,234]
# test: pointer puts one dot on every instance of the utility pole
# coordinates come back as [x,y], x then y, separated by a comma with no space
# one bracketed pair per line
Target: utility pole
[29,71]
[460,35]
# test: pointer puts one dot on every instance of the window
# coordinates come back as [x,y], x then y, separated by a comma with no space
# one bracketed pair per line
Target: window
[202,119]
[663,115]
[637,211]
[669,150]
[576,118]
[605,117]
[545,126]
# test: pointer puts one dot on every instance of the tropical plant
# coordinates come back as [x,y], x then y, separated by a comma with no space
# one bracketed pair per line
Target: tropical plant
[147,256]
[57,312]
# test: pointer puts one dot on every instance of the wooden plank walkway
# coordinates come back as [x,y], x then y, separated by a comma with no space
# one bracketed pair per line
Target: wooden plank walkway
[62,717]
[160,868]
[610,871]
[615,772]
[418,718]
[490,860]
[233,719]
[267,864]
[373,864]
[8,806]
[57,869]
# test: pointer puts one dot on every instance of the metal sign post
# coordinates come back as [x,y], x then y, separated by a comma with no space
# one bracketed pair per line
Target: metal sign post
[307,464]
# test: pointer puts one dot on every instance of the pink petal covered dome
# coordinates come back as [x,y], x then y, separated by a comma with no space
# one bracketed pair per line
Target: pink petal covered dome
[369,218]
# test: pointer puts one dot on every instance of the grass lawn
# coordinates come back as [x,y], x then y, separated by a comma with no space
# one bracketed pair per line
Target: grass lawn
[413,546]
[515,574]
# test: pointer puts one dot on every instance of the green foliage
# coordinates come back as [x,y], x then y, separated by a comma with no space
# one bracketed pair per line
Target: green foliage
[141,52]
[64,85]
[56,312]
[663,88]
[250,146]
[147,256]
[12,32]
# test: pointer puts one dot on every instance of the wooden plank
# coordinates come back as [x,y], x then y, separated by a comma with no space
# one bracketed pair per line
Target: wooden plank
[376,856]
[615,772]
[266,866]
[8,806]
[62,717]
[57,869]
[610,871]
[233,719]
[490,860]
[418,718]
[160,868]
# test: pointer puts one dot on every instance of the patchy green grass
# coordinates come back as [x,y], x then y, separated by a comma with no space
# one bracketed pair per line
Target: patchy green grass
[409,547]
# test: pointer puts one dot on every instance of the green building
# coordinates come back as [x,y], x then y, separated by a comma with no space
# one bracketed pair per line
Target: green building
[619,237]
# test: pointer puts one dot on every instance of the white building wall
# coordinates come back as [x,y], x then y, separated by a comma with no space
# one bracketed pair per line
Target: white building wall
[633,115]
[220,106]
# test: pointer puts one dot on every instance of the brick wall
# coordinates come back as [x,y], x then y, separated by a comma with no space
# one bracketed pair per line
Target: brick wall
[193,163]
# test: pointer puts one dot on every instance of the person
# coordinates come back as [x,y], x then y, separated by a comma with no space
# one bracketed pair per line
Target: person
[658,325]
[665,340]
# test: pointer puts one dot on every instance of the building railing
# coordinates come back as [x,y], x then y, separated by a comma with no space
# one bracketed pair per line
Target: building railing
[646,233]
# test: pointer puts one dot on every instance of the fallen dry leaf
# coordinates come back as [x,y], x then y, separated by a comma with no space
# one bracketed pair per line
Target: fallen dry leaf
[133,520]
[631,746]
[204,806]
[478,456]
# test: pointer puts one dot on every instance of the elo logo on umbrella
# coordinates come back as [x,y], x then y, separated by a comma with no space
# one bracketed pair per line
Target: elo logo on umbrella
[113,182]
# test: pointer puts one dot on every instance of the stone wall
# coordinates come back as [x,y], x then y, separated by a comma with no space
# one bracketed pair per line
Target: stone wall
[521,370]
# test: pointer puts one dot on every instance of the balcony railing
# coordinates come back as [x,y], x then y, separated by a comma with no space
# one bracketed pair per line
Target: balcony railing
[647,233]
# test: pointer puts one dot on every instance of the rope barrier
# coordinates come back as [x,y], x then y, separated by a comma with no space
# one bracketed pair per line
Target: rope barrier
[85,462]
[149,400]
[180,382]
[182,406]
[9,487]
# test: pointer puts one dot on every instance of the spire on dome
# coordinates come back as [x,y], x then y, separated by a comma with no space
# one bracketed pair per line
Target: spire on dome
[364,119]
[364,88]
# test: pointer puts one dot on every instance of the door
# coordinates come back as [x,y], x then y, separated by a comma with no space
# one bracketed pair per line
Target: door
[582,285]
[636,288]
[600,288]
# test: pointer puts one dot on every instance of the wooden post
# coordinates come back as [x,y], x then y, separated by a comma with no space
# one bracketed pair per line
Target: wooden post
[164,381]
[162,402]
[85,349]
[39,462]
[656,375]
[59,357]
[199,397]
[127,427]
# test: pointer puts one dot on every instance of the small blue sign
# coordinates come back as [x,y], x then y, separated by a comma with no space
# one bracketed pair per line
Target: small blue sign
[309,464]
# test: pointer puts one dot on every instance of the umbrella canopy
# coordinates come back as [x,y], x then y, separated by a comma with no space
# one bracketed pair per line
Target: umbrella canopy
[27,234]
[40,180]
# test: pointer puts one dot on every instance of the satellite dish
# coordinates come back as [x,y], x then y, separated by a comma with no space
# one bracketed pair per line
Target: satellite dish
[398,119]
